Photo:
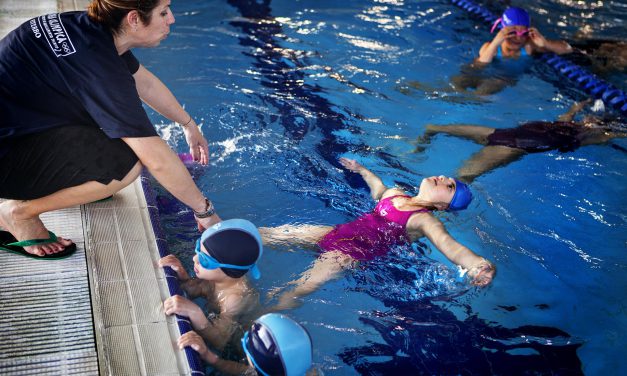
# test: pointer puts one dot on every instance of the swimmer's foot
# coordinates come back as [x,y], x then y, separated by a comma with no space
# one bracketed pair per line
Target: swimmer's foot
[28,228]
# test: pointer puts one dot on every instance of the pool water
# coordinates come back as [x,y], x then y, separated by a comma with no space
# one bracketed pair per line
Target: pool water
[282,89]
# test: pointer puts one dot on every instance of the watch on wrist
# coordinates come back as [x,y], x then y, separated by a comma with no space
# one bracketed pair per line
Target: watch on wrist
[209,210]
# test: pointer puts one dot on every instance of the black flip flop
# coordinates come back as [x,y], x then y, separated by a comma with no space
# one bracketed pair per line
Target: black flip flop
[10,244]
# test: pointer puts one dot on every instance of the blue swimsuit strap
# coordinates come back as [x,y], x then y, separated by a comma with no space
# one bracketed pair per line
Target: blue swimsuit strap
[523,52]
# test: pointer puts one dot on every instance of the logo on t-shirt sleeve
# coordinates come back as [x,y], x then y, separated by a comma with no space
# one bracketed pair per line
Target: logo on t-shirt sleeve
[53,30]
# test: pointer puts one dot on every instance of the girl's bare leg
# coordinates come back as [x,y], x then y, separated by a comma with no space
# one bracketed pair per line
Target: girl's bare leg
[300,235]
[487,159]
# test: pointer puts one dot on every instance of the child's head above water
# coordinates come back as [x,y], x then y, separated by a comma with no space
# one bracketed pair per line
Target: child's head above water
[278,345]
[233,245]
[445,193]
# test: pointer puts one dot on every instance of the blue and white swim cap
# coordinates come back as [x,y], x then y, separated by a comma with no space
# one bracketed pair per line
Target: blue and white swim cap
[462,197]
[513,16]
[235,242]
[278,345]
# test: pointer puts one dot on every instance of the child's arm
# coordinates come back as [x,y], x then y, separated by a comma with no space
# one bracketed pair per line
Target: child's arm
[193,287]
[377,188]
[541,44]
[573,110]
[479,269]
[193,340]
[182,306]
[488,50]
[219,330]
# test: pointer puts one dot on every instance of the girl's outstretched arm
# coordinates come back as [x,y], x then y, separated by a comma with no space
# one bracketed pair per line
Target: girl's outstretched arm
[480,270]
[377,188]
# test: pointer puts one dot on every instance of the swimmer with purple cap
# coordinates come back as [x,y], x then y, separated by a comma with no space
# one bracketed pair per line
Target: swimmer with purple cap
[517,38]
[397,219]
[225,253]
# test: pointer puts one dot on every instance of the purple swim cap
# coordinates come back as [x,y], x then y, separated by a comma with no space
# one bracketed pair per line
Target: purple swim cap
[513,16]
[462,197]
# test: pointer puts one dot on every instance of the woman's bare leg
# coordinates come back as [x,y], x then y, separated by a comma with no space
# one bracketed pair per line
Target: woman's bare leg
[21,218]
[487,159]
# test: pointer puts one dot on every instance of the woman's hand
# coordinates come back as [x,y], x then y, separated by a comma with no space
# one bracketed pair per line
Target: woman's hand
[537,38]
[351,165]
[205,223]
[193,340]
[176,265]
[198,147]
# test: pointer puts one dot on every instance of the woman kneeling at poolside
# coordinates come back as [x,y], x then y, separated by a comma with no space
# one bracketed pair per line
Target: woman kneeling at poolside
[397,219]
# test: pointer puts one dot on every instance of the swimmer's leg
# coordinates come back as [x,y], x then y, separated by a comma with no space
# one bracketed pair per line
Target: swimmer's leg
[476,133]
[21,217]
[489,86]
[327,267]
[487,159]
[300,235]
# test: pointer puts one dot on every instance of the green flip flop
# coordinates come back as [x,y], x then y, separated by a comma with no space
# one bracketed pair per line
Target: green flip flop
[10,244]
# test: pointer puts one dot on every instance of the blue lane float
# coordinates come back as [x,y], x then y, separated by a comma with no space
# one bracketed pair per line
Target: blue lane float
[586,81]
[195,364]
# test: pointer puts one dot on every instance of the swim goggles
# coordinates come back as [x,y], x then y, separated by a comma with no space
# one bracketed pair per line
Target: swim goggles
[519,33]
[210,263]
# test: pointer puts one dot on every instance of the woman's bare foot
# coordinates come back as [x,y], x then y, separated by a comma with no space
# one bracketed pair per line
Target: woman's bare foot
[25,228]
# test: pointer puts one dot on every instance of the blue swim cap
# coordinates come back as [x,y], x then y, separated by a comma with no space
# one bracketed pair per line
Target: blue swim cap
[514,16]
[462,197]
[234,242]
[278,345]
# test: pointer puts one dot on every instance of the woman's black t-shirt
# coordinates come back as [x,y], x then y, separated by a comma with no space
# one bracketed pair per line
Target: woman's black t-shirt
[63,69]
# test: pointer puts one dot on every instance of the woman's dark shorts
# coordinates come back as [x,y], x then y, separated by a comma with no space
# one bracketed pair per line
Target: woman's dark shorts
[46,162]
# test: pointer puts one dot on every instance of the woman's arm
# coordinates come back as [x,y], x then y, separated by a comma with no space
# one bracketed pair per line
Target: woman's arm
[377,188]
[152,91]
[480,270]
[170,172]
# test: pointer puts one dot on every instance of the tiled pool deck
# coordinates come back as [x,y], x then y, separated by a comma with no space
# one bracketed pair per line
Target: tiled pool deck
[98,311]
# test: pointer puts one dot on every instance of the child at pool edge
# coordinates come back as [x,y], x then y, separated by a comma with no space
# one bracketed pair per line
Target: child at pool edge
[397,218]
[225,252]
[517,38]
[274,345]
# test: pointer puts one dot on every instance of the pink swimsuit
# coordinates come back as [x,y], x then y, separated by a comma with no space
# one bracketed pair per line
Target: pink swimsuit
[371,235]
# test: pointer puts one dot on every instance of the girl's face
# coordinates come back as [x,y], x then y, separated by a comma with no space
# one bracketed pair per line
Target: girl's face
[517,36]
[158,28]
[437,189]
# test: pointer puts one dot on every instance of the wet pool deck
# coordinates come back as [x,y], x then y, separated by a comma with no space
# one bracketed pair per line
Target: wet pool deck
[98,311]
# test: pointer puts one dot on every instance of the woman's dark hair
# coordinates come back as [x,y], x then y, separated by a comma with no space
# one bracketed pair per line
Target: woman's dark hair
[110,13]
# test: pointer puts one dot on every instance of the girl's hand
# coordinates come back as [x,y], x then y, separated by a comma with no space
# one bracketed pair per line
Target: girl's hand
[351,165]
[193,340]
[482,273]
[180,305]
[503,34]
[198,147]
[536,38]
[176,265]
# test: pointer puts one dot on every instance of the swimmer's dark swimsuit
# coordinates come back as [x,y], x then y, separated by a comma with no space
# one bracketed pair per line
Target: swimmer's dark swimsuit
[539,136]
